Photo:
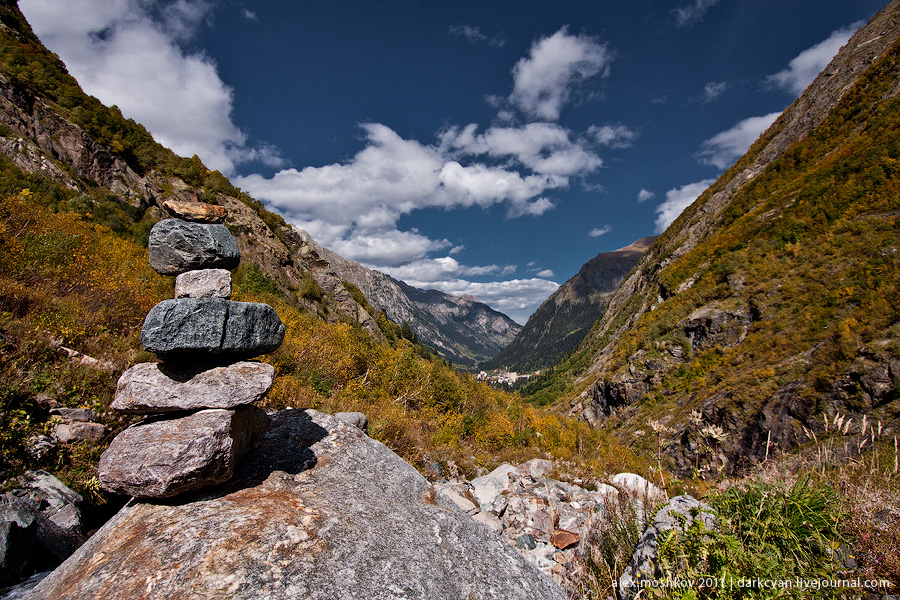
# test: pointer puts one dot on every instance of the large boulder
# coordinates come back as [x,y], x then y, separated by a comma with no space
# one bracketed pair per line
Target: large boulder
[160,458]
[318,511]
[211,326]
[148,388]
[176,246]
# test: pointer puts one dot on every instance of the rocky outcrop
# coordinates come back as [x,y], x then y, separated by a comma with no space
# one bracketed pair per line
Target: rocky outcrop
[318,510]
[461,329]
[559,325]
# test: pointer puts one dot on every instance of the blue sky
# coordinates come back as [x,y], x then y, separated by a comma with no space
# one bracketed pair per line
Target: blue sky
[483,148]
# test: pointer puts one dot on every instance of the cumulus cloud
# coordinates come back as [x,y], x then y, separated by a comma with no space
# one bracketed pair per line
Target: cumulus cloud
[598,231]
[677,199]
[713,90]
[724,148]
[693,12]
[139,65]
[545,148]
[544,80]
[613,136]
[804,67]
[545,273]
[645,195]
[476,36]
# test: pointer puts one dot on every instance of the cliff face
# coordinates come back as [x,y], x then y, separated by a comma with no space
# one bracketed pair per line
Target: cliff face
[767,305]
[559,325]
[461,329]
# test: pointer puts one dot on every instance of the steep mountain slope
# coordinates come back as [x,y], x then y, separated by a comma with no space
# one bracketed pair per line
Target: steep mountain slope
[461,329]
[559,325]
[770,304]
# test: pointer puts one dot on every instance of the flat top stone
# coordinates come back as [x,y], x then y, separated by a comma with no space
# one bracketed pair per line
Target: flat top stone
[201,212]
[148,388]
[203,283]
[176,246]
[318,511]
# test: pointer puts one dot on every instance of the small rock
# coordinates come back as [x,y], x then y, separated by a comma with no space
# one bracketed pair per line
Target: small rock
[74,414]
[162,458]
[211,326]
[148,388]
[463,503]
[176,246]
[57,501]
[562,538]
[537,467]
[79,431]
[357,419]
[204,283]
[200,212]
[38,446]
[638,487]
[490,520]
[526,541]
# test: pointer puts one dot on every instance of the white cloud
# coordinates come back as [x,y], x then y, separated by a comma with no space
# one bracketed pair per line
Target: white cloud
[545,148]
[545,273]
[645,195]
[613,136]
[249,15]
[693,12]
[139,65]
[677,199]
[804,67]
[713,90]
[476,36]
[543,82]
[724,148]
[598,231]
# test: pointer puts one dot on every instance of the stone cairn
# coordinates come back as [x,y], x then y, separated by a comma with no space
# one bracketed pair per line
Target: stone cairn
[199,398]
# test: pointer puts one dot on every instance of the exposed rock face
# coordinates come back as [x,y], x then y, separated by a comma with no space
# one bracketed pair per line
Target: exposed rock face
[163,458]
[211,326]
[177,246]
[565,318]
[318,510]
[460,328]
[679,513]
[149,388]
[204,283]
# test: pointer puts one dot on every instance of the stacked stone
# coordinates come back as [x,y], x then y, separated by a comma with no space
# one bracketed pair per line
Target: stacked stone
[201,420]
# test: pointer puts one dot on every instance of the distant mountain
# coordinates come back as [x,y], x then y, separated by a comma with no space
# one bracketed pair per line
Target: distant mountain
[770,304]
[559,325]
[461,329]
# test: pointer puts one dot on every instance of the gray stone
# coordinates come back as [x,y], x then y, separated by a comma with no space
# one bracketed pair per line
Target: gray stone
[74,414]
[526,541]
[537,467]
[79,431]
[21,589]
[39,446]
[148,388]
[165,457]
[56,500]
[680,512]
[357,419]
[205,283]
[317,511]
[210,327]
[176,246]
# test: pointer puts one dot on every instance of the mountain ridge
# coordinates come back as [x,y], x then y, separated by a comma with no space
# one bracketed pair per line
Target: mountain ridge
[562,321]
[461,329]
